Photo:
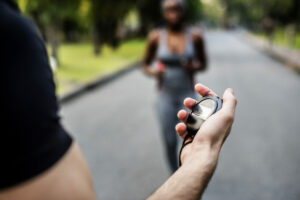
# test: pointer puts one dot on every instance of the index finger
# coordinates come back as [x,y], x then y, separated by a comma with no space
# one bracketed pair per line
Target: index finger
[203,90]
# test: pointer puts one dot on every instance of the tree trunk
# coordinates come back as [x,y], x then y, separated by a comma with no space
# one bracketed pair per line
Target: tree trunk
[97,42]
[52,40]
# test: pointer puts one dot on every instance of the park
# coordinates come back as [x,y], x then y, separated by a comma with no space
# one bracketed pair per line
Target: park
[96,49]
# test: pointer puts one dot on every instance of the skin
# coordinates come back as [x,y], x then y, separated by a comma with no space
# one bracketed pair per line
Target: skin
[173,14]
[200,158]
[69,179]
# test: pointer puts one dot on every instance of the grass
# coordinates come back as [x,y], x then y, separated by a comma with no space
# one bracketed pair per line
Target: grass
[79,65]
[280,38]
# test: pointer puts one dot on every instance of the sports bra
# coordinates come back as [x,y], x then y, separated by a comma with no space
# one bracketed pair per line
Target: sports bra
[175,78]
[169,58]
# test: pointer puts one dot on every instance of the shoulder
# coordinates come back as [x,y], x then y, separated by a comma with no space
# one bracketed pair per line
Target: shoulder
[196,33]
[16,30]
[19,35]
[154,36]
[11,20]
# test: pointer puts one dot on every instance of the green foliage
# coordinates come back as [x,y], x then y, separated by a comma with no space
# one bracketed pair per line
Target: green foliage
[213,12]
[53,11]
[281,38]
[103,18]
[250,12]
[149,13]
[106,16]
[22,4]
[193,10]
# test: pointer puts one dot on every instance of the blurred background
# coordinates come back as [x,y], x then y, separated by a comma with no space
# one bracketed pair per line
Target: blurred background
[254,47]
[87,38]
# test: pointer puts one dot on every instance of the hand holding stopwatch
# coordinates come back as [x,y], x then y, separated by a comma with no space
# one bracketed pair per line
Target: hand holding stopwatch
[205,107]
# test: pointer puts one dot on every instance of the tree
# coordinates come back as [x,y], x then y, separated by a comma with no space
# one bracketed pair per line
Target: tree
[50,16]
[251,12]
[103,17]
[213,12]
[193,10]
[150,15]
[106,18]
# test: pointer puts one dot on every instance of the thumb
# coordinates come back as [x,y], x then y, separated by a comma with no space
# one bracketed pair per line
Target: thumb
[229,102]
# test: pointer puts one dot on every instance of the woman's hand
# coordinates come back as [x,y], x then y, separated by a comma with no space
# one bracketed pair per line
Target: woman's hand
[191,66]
[159,70]
[158,74]
[153,72]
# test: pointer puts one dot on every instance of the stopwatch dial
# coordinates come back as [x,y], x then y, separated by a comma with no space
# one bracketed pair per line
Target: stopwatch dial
[205,108]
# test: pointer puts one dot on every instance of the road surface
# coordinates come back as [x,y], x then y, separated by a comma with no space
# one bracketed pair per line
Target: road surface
[117,130]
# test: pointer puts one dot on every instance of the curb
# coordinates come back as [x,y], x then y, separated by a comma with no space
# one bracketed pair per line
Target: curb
[273,51]
[96,84]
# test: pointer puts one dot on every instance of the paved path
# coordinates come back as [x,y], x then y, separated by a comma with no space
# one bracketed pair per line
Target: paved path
[117,130]
[287,55]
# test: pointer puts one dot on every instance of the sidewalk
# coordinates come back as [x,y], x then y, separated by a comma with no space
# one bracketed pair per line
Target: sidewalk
[290,57]
[102,80]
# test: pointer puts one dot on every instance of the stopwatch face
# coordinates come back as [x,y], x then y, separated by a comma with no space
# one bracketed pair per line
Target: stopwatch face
[205,108]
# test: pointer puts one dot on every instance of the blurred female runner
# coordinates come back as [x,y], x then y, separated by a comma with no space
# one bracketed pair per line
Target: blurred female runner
[180,53]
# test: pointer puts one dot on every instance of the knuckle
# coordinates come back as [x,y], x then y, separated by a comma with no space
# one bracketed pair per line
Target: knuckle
[234,99]
[229,118]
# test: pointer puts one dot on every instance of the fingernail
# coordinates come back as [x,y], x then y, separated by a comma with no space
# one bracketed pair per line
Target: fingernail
[230,90]
[197,85]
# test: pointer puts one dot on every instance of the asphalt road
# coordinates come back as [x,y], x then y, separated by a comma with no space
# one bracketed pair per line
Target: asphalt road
[117,130]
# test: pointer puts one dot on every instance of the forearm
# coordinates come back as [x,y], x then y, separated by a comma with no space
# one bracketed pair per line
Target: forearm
[201,156]
[201,54]
[201,65]
[191,179]
[150,53]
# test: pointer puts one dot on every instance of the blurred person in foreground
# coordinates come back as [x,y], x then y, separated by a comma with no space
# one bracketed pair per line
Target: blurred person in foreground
[180,53]
[39,160]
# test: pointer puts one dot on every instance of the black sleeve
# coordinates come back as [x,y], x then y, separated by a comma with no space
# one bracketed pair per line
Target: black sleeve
[31,136]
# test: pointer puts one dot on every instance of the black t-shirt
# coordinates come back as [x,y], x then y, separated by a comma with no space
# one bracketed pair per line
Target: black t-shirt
[31,136]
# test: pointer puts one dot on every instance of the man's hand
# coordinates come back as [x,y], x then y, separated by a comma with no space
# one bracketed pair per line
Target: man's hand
[199,159]
[214,130]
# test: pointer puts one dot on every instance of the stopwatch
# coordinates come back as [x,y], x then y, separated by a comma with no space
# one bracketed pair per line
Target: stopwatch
[204,108]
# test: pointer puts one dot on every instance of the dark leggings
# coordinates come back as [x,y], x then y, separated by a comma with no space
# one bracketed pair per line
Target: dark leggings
[168,105]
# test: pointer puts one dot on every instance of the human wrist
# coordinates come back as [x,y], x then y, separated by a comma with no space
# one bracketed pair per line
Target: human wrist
[193,176]
[197,65]
[156,73]
[204,154]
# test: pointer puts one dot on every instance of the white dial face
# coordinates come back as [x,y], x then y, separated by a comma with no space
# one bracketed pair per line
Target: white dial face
[206,108]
